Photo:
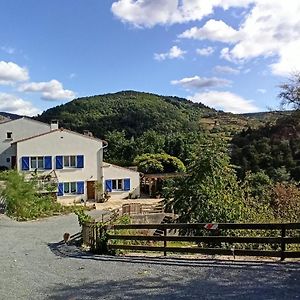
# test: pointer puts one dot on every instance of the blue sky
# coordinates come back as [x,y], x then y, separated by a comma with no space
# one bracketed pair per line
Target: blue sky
[228,54]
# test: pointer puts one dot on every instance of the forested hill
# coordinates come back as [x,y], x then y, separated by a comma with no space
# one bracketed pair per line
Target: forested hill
[274,148]
[133,112]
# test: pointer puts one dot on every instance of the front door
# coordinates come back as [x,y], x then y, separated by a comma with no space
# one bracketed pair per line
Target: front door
[91,190]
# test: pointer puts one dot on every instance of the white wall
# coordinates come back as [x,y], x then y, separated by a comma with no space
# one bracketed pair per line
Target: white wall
[63,142]
[115,172]
[20,128]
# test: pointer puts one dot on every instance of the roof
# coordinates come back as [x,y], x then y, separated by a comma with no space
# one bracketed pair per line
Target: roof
[61,130]
[105,164]
[24,118]
[164,175]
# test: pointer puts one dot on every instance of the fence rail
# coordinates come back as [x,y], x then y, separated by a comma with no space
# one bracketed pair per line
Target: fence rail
[276,238]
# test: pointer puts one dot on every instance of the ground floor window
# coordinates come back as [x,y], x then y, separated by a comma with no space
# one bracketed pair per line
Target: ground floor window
[117,184]
[70,188]
[114,185]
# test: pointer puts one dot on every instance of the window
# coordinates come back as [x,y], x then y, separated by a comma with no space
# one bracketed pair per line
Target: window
[117,184]
[8,159]
[67,187]
[73,188]
[9,135]
[37,162]
[112,185]
[70,161]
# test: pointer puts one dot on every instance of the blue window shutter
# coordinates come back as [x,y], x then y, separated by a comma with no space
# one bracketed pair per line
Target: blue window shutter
[60,189]
[127,184]
[48,162]
[80,161]
[80,187]
[59,162]
[25,163]
[108,185]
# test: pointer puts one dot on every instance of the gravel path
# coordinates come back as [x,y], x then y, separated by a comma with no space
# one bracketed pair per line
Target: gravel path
[33,265]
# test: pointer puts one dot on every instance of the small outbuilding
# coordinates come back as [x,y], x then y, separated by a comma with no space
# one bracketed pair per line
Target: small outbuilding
[120,182]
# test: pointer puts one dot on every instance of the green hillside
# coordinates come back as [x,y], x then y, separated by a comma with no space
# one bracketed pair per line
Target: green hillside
[135,123]
[128,111]
[274,148]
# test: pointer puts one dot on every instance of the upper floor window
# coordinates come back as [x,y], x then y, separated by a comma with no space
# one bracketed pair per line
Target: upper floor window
[70,161]
[37,162]
[9,135]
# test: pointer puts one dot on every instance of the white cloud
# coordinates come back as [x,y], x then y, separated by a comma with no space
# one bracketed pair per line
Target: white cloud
[174,52]
[215,30]
[226,70]
[227,101]
[262,91]
[148,13]
[11,73]
[51,90]
[197,82]
[269,28]
[289,59]
[12,104]
[205,51]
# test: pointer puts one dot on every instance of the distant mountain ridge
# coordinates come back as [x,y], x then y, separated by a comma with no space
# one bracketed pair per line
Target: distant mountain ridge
[5,116]
[129,111]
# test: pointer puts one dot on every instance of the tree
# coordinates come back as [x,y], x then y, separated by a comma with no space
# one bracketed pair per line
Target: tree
[211,192]
[159,163]
[285,202]
[290,91]
[121,150]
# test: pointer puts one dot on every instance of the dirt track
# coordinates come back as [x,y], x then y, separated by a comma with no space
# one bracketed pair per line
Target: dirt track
[34,265]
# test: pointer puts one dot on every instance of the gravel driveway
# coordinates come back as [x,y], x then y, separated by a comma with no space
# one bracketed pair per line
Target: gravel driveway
[33,265]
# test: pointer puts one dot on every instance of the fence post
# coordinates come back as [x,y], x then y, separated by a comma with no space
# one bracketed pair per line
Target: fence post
[283,232]
[165,241]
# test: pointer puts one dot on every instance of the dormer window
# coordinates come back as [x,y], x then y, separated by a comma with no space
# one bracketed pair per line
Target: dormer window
[9,135]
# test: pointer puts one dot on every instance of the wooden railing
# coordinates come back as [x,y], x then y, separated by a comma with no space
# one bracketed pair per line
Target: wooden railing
[272,237]
[138,208]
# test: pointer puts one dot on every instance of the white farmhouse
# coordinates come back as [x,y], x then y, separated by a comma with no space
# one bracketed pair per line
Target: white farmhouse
[14,130]
[74,160]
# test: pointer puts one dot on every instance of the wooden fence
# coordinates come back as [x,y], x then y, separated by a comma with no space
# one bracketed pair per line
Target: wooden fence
[269,240]
[138,208]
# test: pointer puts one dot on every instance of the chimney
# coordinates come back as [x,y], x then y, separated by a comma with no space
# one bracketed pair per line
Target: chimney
[87,133]
[54,125]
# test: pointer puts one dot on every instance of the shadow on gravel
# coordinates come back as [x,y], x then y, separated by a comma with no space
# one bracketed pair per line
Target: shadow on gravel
[69,249]
[185,284]
[73,251]
[178,278]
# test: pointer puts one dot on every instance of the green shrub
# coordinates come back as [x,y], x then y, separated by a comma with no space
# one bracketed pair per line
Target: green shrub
[23,200]
[158,163]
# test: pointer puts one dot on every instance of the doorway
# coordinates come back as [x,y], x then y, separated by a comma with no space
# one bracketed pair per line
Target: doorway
[91,190]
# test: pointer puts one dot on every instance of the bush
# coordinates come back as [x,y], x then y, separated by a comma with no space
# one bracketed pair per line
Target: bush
[23,200]
[159,163]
